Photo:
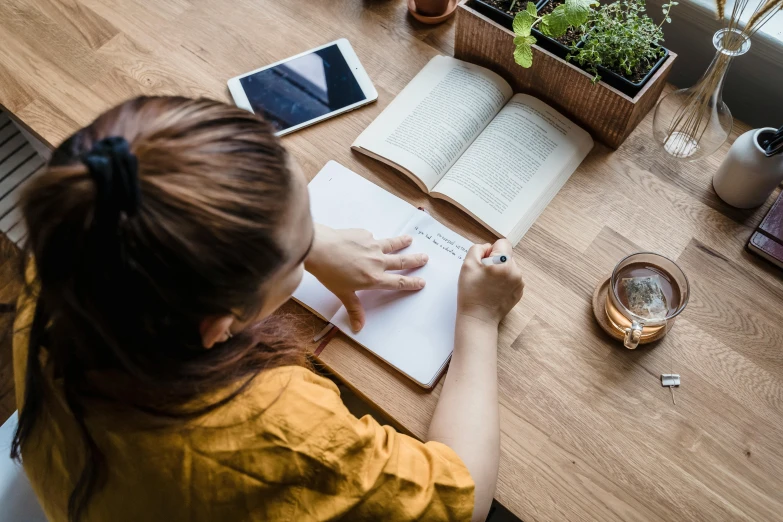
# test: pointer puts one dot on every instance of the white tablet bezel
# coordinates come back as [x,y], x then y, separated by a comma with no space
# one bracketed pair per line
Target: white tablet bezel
[370,94]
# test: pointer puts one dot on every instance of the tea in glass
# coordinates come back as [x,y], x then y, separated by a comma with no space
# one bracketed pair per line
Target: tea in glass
[646,292]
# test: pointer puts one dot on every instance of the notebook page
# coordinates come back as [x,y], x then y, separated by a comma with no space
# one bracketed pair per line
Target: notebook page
[414,331]
[340,198]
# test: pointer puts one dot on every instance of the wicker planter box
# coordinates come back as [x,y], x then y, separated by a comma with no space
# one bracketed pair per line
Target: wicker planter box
[605,112]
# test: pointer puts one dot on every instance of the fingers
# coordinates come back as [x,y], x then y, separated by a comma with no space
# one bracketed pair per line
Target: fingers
[478,252]
[399,282]
[394,244]
[405,262]
[502,246]
[355,310]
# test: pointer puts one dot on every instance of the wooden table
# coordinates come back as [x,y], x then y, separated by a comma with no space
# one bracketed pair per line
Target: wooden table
[588,433]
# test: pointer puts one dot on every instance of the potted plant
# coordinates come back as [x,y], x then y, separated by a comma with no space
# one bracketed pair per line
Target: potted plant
[554,21]
[617,42]
[558,45]
[621,44]
[608,114]
[504,11]
[501,11]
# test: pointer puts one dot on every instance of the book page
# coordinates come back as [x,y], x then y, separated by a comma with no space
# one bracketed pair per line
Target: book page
[435,118]
[340,198]
[414,331]
[525,151]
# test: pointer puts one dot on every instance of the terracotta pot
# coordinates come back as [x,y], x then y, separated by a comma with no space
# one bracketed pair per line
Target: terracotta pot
[431,7]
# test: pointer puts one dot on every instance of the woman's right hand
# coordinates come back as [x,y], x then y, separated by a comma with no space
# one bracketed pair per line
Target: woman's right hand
[488,293]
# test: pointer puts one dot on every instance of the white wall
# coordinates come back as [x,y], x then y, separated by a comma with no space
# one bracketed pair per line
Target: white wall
[754,84]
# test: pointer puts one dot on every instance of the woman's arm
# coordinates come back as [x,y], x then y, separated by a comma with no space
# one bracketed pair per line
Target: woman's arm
[466,417]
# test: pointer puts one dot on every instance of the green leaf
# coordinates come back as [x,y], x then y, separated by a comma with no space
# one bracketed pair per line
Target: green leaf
[620,38]
[524,40]
[523,55]
[531,8]
[577,11]
[523,22]
[555,23]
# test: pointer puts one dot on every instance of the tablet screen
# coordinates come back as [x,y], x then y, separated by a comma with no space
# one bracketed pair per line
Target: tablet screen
[302,89]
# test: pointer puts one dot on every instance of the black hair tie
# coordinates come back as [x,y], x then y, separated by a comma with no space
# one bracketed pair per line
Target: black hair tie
[115,171]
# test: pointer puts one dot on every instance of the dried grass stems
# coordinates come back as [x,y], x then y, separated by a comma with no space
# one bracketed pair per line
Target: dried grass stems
[763,14]
[692,119]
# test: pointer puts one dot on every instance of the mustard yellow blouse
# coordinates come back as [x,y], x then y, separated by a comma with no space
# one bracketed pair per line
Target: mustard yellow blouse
[286,449]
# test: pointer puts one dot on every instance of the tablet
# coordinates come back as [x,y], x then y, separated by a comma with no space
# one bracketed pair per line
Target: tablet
[306,88]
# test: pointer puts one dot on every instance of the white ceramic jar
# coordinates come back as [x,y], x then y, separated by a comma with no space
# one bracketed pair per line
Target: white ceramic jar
[747,177]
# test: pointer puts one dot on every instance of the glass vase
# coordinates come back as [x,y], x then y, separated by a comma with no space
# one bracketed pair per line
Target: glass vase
[690,124]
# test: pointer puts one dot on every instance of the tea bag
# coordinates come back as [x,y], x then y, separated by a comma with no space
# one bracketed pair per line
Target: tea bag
[645,297]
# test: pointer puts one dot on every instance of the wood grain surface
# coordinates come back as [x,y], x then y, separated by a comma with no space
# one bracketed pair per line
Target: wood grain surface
[588,433]
[602,110]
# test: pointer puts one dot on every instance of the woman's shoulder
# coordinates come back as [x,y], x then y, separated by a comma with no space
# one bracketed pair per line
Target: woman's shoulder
[296,375]
[292,396]
[292,383]
[25,311]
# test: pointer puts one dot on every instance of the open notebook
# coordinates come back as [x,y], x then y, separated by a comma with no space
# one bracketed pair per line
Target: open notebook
[412,331]
[462,135]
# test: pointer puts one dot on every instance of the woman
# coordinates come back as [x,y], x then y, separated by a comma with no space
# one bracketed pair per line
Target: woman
[152,380]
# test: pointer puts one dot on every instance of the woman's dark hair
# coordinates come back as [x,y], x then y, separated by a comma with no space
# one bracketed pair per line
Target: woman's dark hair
[162,212]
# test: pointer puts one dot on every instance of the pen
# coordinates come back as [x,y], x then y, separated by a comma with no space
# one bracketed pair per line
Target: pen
[774,145]
[494,260]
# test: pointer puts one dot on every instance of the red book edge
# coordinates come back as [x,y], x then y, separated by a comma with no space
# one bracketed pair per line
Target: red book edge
[764,244]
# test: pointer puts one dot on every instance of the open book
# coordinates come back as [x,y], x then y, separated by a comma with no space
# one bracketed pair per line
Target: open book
[412,331]
[459,132]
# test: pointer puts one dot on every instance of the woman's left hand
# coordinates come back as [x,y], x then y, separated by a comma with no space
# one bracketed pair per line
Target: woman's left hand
[345,261]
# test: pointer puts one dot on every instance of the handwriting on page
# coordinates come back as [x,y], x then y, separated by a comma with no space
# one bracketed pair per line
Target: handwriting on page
[442,241]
